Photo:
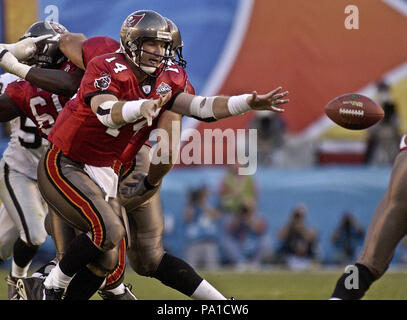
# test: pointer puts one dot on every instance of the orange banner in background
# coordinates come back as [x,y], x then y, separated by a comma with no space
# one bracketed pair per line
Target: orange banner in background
[18,16]
[303,45]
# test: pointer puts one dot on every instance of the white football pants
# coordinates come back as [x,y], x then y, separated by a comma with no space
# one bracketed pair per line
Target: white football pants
[23,211]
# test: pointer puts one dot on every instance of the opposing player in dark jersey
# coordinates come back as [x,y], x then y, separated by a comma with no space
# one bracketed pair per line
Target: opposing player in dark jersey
[387,227]
[111,115]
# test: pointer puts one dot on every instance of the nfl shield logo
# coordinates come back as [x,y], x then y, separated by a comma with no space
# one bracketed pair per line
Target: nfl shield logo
[147,89]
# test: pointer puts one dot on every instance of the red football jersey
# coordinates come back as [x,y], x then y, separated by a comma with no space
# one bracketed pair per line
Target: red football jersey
[79,133]
[137,140]
[96,46]
[41,106]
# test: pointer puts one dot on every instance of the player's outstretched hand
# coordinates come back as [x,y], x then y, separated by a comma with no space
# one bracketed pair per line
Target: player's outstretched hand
[269,101]
[26,48]
[148,108]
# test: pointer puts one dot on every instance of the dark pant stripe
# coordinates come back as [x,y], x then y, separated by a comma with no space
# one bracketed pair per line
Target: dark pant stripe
[73,195]
[15,201]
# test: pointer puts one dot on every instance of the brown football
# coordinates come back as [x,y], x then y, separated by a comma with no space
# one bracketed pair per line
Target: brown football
[354,111]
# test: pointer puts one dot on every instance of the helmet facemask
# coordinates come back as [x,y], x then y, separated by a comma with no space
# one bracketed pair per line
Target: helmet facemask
[179,59]
[135,51]
[177,44]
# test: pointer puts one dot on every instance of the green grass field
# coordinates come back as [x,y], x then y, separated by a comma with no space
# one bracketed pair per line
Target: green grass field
[273,285]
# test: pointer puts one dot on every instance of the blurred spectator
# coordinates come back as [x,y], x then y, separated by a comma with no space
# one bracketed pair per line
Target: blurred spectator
[347,238]
[271,135]
[237,191]
[202,230]
[297,241]
[384,137]
[245,243]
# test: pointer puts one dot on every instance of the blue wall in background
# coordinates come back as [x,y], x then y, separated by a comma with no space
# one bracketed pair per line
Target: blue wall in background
[204,25]
[326,191]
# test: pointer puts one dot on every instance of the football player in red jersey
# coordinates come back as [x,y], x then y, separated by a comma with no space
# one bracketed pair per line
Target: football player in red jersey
[107,79]
[146,253]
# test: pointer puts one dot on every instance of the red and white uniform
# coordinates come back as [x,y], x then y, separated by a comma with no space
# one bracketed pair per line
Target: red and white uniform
[41,106]
[79,133]
[22,210]
[25,146]
[137,141]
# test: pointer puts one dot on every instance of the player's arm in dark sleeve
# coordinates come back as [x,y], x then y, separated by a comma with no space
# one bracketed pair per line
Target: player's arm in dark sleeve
[55,81]
[8,109]
[71,46]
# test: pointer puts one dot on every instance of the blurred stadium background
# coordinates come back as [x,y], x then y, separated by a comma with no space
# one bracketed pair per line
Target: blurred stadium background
[235,46]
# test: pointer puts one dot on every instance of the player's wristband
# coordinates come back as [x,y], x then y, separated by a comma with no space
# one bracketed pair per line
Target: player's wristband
[10,63]
[202,107]
[131,110]
[238,104]
[104,114]
[21,70]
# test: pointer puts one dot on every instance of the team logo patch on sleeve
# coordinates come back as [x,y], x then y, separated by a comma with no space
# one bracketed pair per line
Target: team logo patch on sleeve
[103,83]
[163,88]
